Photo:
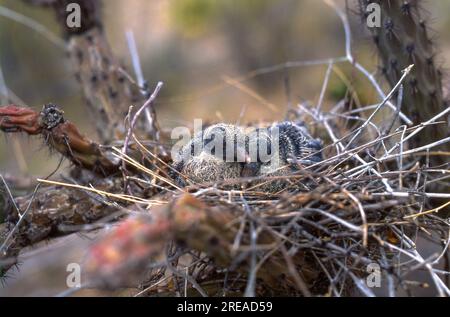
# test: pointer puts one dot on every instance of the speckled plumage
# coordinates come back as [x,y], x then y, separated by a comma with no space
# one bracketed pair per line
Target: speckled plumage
[288,145]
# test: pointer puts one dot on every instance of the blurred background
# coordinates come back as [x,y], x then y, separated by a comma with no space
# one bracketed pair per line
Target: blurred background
[194,47]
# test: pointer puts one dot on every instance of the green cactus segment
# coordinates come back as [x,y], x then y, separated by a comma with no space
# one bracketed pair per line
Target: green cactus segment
[402,39]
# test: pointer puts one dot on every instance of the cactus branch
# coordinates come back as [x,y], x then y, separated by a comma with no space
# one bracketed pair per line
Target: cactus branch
[59,134]
[402,40]
[108,89]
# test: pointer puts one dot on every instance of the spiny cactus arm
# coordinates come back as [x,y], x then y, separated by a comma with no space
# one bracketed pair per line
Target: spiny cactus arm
[403,40]
[109,91]
[61,135]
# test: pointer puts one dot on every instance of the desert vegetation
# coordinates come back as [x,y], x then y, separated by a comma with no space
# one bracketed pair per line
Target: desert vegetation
[362,211]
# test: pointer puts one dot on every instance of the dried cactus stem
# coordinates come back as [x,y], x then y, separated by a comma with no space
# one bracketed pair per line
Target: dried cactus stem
[60,134]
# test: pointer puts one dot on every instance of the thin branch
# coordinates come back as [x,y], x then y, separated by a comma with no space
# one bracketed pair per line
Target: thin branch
[32,24]
[148,103]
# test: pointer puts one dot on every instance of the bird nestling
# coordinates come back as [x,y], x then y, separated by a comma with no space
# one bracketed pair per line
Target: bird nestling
[225,151]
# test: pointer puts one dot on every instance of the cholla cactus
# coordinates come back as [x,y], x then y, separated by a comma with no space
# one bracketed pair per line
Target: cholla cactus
[107,88]
[403,39]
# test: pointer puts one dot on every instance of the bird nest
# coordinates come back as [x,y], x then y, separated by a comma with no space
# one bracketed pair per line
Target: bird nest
[350,223]
[347,224]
